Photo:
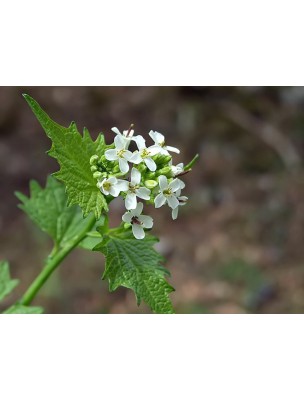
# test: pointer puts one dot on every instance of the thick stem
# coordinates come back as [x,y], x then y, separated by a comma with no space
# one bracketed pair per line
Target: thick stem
[53,263]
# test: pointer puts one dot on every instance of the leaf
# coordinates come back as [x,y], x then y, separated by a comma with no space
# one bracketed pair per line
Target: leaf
[136,265]
[19,309]
[73,153]
[48,209]
[6,283]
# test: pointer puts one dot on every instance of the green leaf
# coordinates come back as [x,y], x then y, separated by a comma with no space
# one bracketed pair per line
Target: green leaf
[19,309]
[48,209]
[73,153]
[136,265]
[6,283]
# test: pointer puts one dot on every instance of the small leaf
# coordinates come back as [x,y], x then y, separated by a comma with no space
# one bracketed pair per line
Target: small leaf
[136,265]
[48,209]
[19,309]
[73,153]
[6,283]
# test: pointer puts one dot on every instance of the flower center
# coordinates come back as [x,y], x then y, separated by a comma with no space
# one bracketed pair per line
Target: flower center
[134,220]
[121,153]
[132,188]
[145,153]
[162,144]
[107,186]
[167,192]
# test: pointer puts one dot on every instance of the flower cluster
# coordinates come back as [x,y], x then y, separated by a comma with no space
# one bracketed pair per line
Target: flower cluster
[147,173]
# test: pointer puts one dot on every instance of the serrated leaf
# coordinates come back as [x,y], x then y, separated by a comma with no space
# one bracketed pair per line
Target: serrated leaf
[73,153]
[19,309]
[6,283]
[48,209]
[135,264]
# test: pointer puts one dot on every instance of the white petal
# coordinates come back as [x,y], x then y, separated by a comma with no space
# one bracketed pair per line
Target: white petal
[172,201]
[160,200]
[182,184]
[127,217]
[130,201]
[180,166]
[138,231]
[131,133]
[120,142]
[183,200]
[175,213]
[112,180]
[143,193]
[106,192]
[135,176]
[160,138]
[176,184]
[173,149]
[153,136]
[123,185]
[114,190]
[140,141]
[164,151]
[139,209]
[111,155]
[116,130]
[136,158]
[123,165]
[150,164]
[146,220]
[163,182]
[128,155]
[155,149]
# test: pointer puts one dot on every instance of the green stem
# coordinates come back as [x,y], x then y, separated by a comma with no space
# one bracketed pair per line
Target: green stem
[191,163]
[53,262]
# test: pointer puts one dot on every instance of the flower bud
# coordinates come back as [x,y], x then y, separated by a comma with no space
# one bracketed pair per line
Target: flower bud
[94,159]
[167,171]
[97,174]
[141,168]
[116,169]
[161,159]
[151,184]
[94,168]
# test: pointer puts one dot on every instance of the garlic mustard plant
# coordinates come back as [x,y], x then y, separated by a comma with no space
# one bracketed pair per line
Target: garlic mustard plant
[73,208]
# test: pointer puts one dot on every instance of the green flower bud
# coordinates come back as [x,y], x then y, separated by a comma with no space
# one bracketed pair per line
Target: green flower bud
[141,168]
[150,175]
[94,168]
[151,184]
[116,169]
[127,225]
[98,174]
[94,159]
[167,171]
[161,159]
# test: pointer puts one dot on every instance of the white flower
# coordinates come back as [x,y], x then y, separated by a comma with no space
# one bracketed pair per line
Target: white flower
[177,169]
[112,186]
[119,153]
[127,135]
[182,201]
[134,189]
[168,192]
[160,143]
[138,221]
[144,154]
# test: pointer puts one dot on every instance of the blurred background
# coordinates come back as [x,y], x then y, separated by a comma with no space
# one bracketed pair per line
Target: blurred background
[235,248]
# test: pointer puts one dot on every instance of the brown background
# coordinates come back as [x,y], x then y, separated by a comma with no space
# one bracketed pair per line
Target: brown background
[238,245]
